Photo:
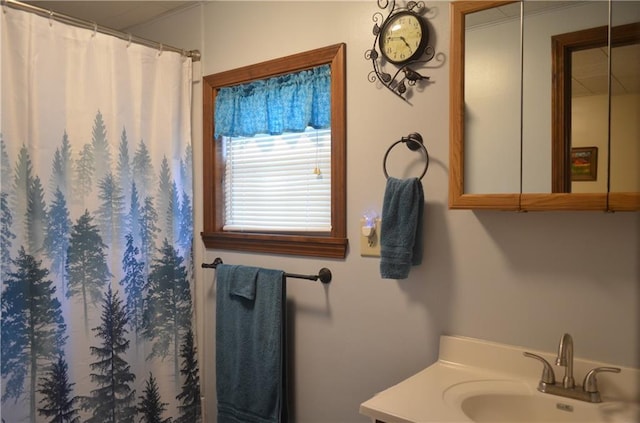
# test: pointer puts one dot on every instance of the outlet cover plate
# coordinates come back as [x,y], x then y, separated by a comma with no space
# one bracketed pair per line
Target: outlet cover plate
[370,246]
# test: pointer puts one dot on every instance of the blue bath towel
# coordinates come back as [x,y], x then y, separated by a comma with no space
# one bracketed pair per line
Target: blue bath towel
[250,345]
[401,227]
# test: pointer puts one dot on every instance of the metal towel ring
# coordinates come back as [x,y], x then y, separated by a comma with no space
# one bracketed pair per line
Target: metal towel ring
[413,142]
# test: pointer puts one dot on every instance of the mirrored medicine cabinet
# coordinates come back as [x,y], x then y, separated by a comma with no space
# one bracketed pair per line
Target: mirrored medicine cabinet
[545,105]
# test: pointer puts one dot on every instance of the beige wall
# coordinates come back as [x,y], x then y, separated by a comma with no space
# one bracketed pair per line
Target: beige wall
[625,148]
[589,129]
[519,278]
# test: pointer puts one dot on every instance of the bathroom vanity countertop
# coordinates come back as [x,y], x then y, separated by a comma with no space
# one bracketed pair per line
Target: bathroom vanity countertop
[422,397]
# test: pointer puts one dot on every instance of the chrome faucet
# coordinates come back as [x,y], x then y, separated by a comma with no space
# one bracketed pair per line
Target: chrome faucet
[588,392]
[565,358]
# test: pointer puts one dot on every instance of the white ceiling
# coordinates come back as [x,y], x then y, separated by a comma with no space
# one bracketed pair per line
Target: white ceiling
[589,71]
[119,15]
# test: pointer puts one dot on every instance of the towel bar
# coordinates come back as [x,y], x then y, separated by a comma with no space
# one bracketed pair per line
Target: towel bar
[413,142]
[324,274]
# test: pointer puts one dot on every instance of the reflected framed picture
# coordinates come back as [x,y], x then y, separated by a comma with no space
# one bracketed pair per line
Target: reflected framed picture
[584,163]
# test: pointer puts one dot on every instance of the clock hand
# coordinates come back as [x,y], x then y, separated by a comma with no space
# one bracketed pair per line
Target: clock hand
[399,38]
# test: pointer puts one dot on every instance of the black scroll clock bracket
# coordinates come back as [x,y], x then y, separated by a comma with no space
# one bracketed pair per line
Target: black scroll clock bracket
[401,47]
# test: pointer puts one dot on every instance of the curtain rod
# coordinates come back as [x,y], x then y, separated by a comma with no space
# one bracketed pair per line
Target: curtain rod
[194,55]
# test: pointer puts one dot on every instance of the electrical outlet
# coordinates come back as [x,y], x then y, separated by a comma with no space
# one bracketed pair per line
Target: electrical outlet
[370,245]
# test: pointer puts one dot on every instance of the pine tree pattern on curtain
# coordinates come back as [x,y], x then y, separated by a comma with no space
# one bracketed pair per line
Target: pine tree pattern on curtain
[96,229]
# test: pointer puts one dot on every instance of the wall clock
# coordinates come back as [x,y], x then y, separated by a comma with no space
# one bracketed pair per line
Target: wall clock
[402,38]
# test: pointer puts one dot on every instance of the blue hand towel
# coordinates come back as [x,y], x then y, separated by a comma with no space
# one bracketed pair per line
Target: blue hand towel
[401,227]
[250,345]
[242,281]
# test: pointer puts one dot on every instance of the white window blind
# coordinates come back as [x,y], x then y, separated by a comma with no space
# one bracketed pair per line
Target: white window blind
[278,183]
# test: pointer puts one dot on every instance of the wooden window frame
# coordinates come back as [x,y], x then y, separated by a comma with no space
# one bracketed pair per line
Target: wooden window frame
[332,245]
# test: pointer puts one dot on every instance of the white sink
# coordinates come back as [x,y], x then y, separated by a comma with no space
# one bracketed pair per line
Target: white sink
[526,408]
[511,401]
[480,381]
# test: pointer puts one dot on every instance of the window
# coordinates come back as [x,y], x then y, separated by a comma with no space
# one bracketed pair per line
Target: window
[282,193]
[278,183]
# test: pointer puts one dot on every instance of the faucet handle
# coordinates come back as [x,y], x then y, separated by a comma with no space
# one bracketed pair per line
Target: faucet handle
[548,377]
[591,383]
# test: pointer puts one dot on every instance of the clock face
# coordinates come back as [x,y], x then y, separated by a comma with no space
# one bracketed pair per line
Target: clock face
[402,38]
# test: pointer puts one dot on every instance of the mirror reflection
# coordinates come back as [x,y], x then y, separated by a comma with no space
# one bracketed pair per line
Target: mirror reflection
[492,100]
[584,158]
[508,128]
[625,65]
[542,22]
[589,121]
[625,113]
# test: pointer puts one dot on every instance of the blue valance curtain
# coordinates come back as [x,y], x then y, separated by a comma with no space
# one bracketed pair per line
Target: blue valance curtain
[286,103]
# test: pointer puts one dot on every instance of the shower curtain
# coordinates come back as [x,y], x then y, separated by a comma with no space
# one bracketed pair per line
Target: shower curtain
[96,228]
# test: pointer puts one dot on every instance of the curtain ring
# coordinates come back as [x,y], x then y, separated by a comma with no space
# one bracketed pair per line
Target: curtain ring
[95,29]
[50,18]
[161,49]
[130,38]
[413,142]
